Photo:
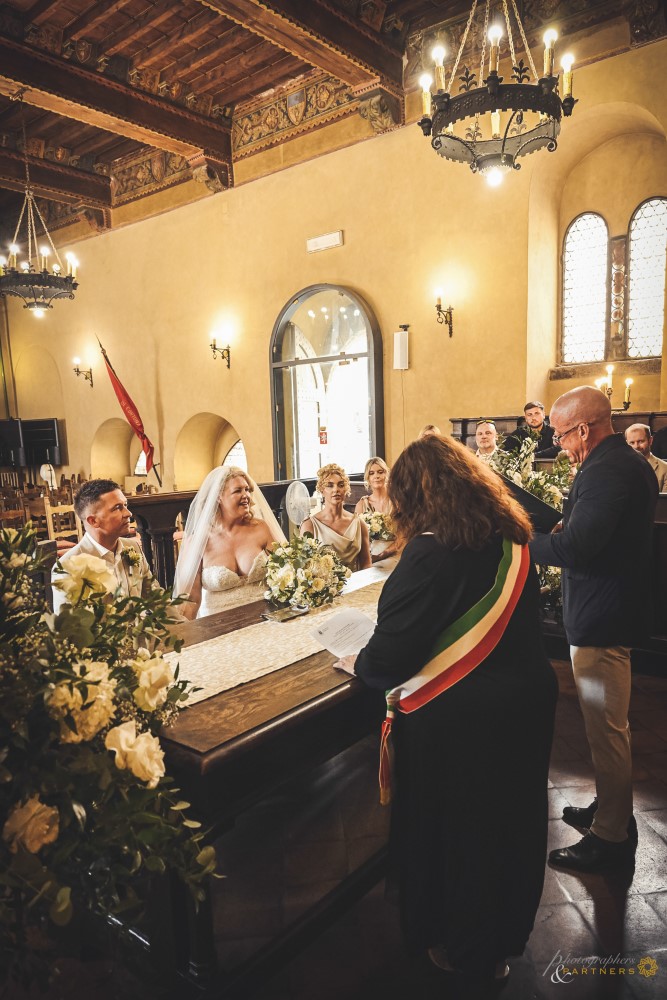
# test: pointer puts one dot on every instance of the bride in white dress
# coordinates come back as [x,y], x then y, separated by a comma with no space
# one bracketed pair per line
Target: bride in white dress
[222,562]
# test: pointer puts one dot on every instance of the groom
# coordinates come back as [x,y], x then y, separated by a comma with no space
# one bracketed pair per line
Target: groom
[102,508]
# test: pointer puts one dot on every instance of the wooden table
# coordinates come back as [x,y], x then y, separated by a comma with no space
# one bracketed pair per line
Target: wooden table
[228,751]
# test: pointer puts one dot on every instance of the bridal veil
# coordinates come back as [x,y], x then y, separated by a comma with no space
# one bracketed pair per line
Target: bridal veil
[201,519]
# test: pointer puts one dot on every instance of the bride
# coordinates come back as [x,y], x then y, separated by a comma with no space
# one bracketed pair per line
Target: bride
[222,562]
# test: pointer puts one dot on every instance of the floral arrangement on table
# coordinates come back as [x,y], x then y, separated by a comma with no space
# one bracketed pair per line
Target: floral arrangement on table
[86,810]
[304,571]
[379,526]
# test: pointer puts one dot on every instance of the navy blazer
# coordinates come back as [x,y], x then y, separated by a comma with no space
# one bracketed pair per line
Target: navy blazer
[605,548]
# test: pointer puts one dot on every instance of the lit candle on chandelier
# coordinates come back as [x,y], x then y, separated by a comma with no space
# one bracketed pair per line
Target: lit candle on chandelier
[425,82]
[44,254]
[610,369]
[438,55]
[628,383]
[567,63]
[13,250]
[71,264]
[599,382]
[495,34]
[550,37]
[495,124]
[3,264]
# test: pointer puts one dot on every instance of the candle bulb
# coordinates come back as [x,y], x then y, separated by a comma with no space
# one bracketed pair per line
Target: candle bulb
[495,124]
[56,268]
[425,82]
[76,361]
[3,264]
[71,264]
[25,266]
[610,369]
[438,55]
[495,34]
[438,297]
[13,250]
[567,62]
[213,343]
[628,383]
[550,37]
[44,253]
[598,383]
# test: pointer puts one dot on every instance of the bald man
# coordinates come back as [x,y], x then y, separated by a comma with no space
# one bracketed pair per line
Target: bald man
[604,544]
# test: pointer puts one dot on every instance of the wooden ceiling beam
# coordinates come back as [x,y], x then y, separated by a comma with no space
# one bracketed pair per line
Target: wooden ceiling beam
[188,34]
[92,18]
[218,48]
[136,30]
[261,80]
[319,37]
[59,183]
[260,57]
[40,11]
[79,94]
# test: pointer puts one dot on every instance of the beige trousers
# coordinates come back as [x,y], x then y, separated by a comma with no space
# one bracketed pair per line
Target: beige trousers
[602,677]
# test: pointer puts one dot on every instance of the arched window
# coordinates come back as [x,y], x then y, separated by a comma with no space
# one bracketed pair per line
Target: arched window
[326,364]
[646,288]
[585,267]
[236,456]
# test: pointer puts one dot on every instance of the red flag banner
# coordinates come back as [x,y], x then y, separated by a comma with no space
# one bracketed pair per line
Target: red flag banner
[131,412]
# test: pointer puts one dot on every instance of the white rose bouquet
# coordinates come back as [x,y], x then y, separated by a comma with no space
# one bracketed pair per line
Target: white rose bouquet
[379,526]
[87,813]
[304,572]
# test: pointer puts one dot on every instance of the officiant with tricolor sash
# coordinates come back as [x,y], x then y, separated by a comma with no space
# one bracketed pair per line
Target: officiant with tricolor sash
[471,699]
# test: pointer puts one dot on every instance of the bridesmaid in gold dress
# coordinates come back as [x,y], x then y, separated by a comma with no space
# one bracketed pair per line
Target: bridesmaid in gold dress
[335,526]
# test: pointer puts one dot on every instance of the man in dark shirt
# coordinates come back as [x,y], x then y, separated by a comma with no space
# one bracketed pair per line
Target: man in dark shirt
[537,425]
[604,545]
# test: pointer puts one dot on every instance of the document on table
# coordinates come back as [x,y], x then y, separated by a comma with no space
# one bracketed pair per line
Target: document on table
[345,633]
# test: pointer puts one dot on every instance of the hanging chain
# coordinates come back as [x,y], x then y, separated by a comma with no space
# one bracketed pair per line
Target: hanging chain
[484,34]
[510,37]
[525,41]
[461,47]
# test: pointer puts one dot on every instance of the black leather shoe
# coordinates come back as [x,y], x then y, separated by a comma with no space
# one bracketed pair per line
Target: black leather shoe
[592,854]
[582,819]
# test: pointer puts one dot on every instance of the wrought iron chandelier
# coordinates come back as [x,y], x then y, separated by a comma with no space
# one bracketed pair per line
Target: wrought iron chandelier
[488,140]
[31,279]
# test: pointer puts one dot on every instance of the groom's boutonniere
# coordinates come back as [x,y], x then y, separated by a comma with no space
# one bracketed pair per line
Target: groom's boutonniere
[131,558]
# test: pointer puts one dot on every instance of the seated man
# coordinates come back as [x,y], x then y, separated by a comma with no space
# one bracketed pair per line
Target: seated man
[537,425]
[102,509]
[639,437]
[486,437]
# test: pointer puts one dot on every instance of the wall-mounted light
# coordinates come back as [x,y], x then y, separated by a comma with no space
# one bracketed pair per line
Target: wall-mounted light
[87,373]
[224,352]
[444,315]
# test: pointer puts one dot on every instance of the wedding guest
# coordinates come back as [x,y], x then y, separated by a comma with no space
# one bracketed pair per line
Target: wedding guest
[335,526]
[537,425]
[102,509]
[458,644]
[486,438]
[640,438]
[429,429]
[376,478]
[604,545]
[223,556]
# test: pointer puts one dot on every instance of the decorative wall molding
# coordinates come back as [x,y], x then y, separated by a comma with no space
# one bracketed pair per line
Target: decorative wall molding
[593,369]
[145,173]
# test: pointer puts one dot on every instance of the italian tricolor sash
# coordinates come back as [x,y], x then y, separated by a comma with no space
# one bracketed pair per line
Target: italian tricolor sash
[460,648]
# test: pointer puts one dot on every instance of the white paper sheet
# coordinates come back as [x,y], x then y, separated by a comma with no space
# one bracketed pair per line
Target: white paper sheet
[345,633]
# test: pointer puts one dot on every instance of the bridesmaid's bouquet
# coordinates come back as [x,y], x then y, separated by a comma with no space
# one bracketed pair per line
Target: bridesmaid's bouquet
[304,571]
[379,526]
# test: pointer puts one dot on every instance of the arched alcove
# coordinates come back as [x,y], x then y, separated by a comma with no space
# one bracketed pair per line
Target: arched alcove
[37,378]
[584,133]
[202,443]
[110,451]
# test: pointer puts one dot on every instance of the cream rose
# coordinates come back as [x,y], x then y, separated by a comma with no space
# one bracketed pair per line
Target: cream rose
[31,826]
[85,573]
[89,717]
[284,578]
[142,754]
[155,677]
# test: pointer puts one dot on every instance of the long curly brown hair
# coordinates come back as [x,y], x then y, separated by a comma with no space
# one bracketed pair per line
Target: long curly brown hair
[438,485]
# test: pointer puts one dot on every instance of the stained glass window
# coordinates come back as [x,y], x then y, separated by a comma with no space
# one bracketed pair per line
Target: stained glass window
[646,290]
[585,259]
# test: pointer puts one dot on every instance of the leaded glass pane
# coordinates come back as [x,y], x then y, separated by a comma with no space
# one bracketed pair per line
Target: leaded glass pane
[585,289]
[646,293]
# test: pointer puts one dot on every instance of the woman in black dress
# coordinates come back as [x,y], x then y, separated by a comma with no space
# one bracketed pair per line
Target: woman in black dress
[472,731]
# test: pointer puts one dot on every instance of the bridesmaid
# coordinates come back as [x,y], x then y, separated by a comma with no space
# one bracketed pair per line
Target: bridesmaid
[346,533]
[376,479]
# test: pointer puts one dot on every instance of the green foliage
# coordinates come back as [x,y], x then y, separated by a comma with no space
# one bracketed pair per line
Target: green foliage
[304,571]
[87,814]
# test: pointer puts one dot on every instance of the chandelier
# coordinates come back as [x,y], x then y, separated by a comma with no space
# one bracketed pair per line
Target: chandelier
[496,123]
[31,279]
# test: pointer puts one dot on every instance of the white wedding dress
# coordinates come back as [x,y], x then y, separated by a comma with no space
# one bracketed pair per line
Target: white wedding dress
[222,588]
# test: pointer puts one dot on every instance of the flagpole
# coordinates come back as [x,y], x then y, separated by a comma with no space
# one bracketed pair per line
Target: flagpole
[157,474]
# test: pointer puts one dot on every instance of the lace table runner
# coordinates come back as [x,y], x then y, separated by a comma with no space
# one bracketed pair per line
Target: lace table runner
[230,660]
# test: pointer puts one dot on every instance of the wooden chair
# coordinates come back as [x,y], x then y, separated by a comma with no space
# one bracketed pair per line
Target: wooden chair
[35,511]
[62,524]
[11,514]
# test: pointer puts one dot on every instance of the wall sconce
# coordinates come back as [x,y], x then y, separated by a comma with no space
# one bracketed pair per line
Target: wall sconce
[444,315]
[87,374]
[224,352]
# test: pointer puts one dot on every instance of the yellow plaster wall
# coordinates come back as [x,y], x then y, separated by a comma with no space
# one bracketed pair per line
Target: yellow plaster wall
[156,290]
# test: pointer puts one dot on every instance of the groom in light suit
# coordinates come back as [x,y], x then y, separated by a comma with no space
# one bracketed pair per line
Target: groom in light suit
[102,508]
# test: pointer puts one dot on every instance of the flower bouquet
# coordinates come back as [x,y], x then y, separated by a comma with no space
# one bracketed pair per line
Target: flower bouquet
[87,815]
[379,526]
[304,571]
